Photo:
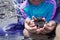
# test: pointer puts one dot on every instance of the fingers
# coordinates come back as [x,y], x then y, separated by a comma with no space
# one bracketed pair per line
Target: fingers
[32,24]
[27,21]
[45,29]
[48,29]
[38,31]
[41,31]
[51,23]
[33,29]
[44,19]
[33,18]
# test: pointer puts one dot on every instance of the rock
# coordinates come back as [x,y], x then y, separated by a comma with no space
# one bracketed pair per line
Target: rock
[7,12]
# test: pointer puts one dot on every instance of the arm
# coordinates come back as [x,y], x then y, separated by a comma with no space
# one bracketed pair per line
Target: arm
[30,26]
[17,4]
[51,12]
[57,16]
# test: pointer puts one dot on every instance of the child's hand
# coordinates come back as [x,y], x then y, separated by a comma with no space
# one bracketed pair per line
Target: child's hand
[27,21]
[29,25]
[47,28]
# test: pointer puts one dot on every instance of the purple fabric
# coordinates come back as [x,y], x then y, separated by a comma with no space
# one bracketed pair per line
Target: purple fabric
[22,6]
[23,13]
[54,11]
[57,18]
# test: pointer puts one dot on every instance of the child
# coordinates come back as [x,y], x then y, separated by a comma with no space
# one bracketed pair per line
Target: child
[30,9]
[37,8]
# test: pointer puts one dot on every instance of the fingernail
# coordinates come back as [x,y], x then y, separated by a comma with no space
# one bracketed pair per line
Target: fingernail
[44,25]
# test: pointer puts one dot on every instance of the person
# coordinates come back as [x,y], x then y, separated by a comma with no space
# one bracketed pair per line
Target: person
[37,7]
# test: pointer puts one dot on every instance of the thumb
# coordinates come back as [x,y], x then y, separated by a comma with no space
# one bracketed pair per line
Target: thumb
[33,18]
[35,27]
[43,19]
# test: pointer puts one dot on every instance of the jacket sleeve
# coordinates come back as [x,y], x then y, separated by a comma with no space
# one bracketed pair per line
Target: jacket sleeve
[51,12]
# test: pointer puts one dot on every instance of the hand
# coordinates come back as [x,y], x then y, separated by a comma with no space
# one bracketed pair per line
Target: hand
[29,25]
[30,22]
[47,28]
